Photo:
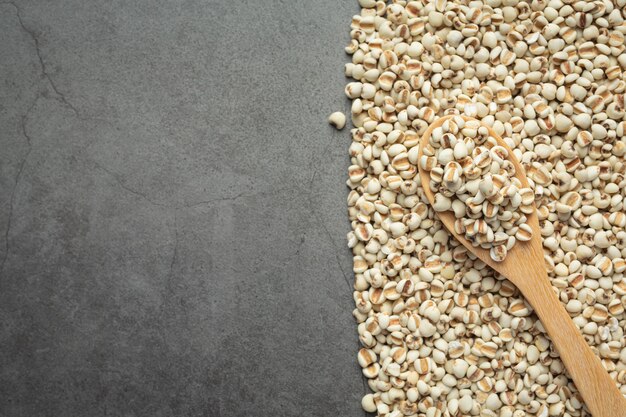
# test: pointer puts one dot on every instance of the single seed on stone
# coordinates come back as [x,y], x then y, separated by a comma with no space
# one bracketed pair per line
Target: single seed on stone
[338,120]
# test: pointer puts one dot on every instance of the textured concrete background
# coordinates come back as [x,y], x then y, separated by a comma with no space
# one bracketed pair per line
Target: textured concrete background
[172,210]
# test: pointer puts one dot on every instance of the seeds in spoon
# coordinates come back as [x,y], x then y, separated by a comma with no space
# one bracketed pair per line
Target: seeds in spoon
[475,171]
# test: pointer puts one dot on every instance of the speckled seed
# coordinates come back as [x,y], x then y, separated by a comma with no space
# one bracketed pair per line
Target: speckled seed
[466,403]
[524,233]
[338,120]
[498,253]
[368,403]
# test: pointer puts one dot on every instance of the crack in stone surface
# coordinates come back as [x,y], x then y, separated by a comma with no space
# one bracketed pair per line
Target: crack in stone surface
[150,200]
[18,176]
[332,242]
[309,193]
[175,254]
[316,164]
[235,197]
[169,291]
[44,71]
[296,253]
[123,185]
[218,200]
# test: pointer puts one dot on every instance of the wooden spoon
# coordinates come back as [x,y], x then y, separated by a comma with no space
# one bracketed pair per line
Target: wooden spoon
[525,266]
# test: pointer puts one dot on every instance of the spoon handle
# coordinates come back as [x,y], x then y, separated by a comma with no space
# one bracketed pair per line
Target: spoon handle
[598,390]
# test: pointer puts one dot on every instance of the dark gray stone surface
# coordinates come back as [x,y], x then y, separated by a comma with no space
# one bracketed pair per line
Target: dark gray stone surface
[172,210]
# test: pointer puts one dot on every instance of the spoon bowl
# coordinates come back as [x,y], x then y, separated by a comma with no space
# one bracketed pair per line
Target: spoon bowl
[525,266]
[531,251]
